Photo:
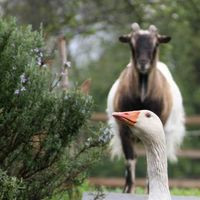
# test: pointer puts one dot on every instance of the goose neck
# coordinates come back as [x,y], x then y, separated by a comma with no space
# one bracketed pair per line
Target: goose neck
[157,171]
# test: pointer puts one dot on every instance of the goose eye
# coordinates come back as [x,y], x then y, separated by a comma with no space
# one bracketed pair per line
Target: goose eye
[148,115]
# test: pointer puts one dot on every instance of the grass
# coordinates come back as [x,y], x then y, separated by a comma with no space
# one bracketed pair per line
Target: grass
[85,187]
[185,192]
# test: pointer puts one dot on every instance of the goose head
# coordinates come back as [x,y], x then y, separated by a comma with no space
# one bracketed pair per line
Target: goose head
[145,124]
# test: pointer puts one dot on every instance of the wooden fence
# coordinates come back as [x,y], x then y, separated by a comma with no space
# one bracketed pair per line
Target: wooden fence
[190,120]
[142,182]
[180,183]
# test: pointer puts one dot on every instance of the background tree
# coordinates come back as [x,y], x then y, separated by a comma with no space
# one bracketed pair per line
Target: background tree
[81,20]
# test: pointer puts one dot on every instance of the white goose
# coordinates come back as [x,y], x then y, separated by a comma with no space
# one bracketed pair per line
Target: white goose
[149,129]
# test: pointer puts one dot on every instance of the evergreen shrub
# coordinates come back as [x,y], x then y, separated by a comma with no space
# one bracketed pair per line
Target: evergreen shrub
[46,142]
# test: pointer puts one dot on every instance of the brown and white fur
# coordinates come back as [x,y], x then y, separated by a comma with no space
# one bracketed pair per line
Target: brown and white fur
[147,84]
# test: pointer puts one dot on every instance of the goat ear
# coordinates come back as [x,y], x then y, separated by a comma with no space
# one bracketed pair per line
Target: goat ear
[124,38]
[164,38]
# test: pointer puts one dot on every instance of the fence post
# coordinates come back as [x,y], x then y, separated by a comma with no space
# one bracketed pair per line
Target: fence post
[64,83]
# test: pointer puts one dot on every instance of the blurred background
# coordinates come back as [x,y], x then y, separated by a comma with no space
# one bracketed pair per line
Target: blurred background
[91,29]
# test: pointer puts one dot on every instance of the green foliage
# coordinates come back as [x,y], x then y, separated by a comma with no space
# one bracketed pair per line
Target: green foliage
[185,192]
[179,19]
[76,194]
[43,133]
[11,187]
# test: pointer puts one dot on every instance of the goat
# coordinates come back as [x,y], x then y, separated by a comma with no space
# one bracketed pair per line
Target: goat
[146,83]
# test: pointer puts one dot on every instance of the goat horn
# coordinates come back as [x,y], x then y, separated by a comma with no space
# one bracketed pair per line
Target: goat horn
[135,27]
[153,28]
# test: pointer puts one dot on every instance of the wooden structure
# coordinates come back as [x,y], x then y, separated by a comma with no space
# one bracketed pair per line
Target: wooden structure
[190,120]
[64,82]
[181,183]
[141,182]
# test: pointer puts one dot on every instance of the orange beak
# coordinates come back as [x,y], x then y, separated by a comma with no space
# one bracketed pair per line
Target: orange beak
[129,118]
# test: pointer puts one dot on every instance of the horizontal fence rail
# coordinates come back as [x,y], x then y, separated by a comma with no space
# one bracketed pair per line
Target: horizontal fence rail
[188,153]
[142,182]
[190,120]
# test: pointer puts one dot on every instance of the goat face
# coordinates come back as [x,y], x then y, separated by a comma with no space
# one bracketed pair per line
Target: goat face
[144,45]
